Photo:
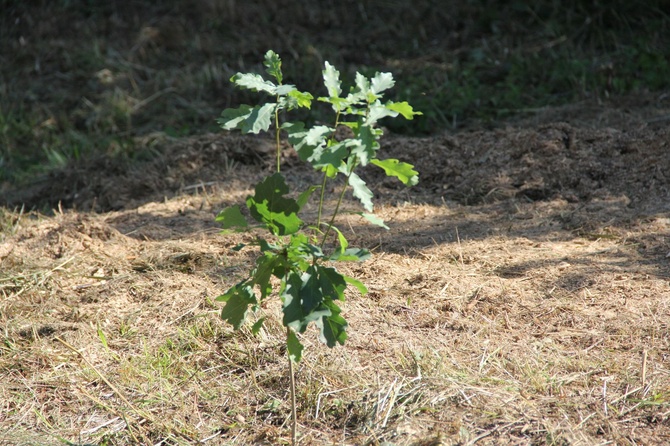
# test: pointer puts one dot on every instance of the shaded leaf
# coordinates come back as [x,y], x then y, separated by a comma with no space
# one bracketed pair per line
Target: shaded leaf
[305,196]
[311,294]
[256,328]
[403,171]
[294,347]
[231,217]
[332,283]
[248,119]
[270,206]
[238,299]
[333,327]
[265,268]
[360,286]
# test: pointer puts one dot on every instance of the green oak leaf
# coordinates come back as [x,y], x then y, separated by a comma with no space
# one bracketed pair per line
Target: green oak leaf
[294,347]
[256,328]
[231,217]
[333,327]
[248,119]
[302,99]
[253,82]
[266,266]
[351,255]
[311,294]
[332,283]
[406,110]
[372,218]
[272,64]
[382,82]
[237,299]
[361,191]
[271,207]
[403,171]
[357,284]
[331,79]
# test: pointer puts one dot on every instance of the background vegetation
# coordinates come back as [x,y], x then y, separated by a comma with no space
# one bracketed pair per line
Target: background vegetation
[91,77]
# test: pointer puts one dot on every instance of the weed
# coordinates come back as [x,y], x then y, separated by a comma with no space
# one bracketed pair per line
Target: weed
[296,254]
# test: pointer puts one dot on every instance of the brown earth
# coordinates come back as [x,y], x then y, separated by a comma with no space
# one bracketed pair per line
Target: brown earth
[521,295]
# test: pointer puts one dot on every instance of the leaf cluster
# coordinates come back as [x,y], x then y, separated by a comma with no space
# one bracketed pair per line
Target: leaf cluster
[309,288]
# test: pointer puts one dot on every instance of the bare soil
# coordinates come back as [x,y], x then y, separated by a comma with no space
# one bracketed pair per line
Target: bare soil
[520,297]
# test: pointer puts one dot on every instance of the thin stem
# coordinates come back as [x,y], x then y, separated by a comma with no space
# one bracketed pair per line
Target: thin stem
[277,137]
[325,176]
[337,208]
[294,417]
[323,191]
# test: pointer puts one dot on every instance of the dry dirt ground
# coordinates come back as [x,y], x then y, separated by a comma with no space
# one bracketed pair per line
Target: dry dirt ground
[520,297]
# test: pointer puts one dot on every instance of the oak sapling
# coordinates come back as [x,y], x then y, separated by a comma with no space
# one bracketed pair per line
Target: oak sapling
[295,252]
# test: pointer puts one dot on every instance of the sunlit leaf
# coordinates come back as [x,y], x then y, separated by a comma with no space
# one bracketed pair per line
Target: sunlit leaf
[403,171]
[331,79]
[406,110]
[248,119]
[272,64]
[361,191]
[254,82]
[357,284]
[351,255]
[372,218]
[382,82]
[302,99]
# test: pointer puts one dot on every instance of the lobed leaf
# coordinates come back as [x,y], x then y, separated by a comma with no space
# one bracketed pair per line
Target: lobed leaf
[256,328]
[379,111]
[351,255]
[361,191]
[267,265]
[238,299]
[403,171]
[248,119]
[331,79]
[374,220]
[272,64]
[271,207]
[231,217]
[357,284]
[302,99]
[382,82]
[406,110]
[254,82]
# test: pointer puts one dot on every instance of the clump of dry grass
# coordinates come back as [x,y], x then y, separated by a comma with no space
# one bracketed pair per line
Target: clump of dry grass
[468,335]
